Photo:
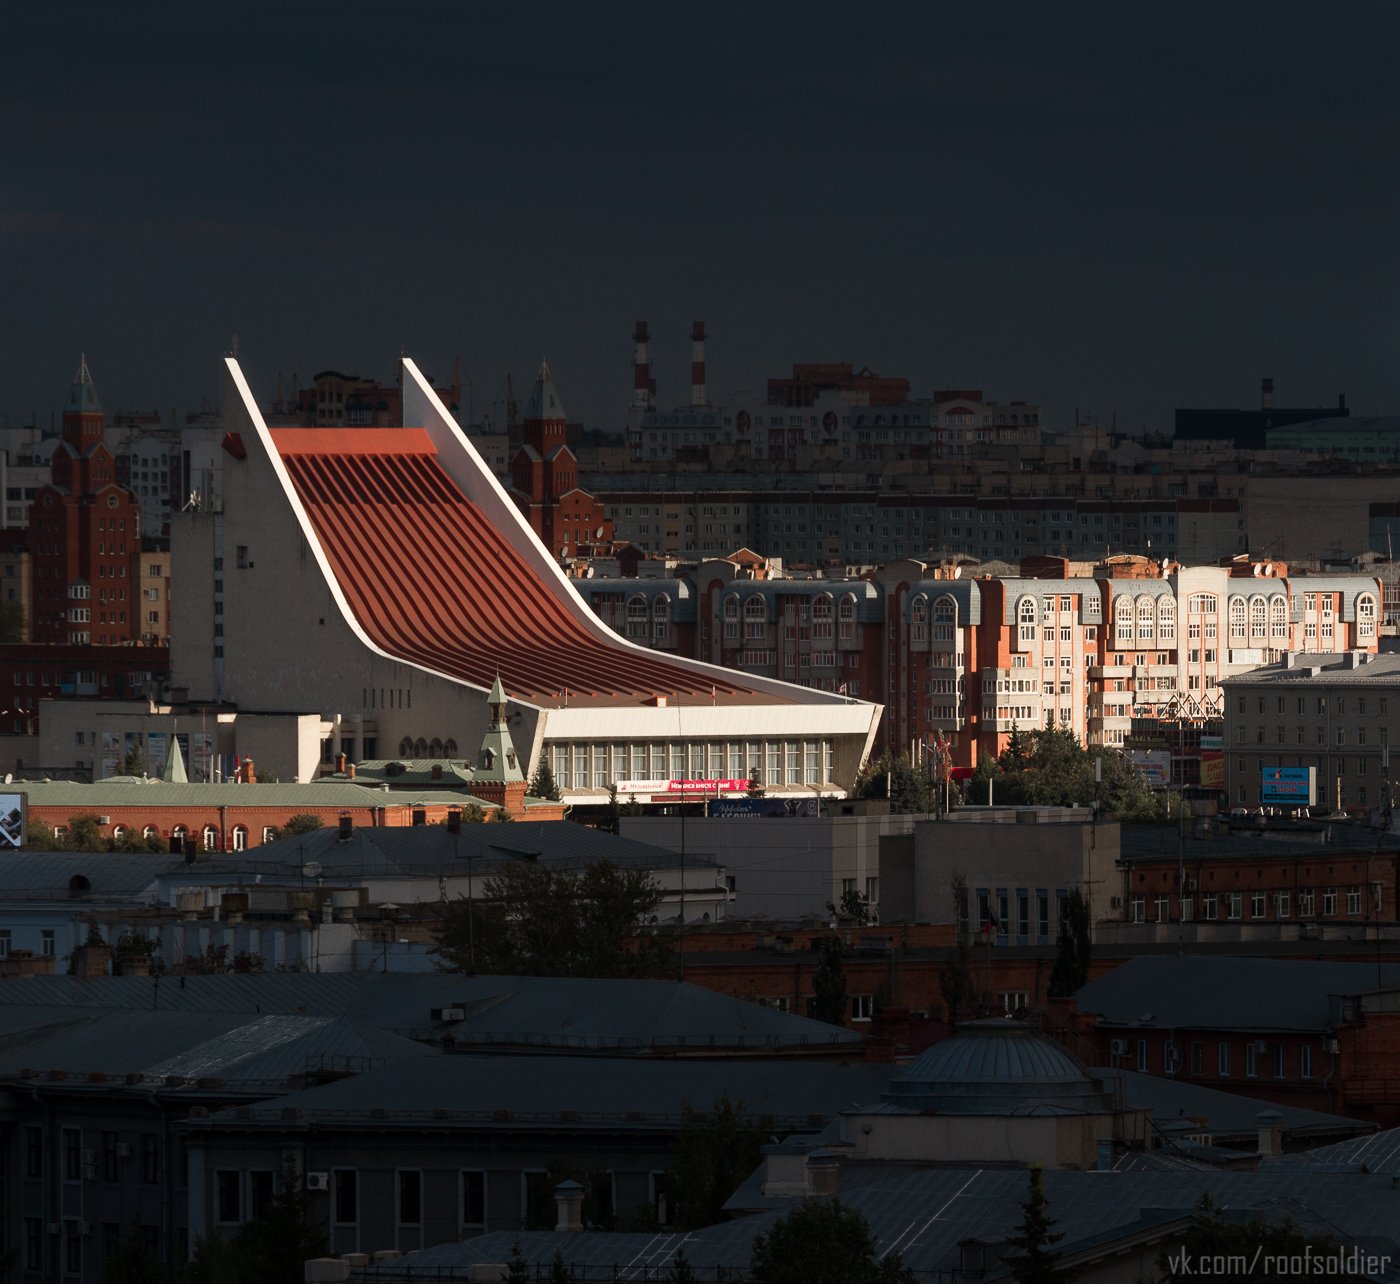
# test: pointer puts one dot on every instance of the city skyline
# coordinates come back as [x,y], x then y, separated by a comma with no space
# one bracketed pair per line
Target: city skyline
[1115,213]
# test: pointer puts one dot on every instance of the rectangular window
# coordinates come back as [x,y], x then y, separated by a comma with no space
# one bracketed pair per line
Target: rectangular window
[1222,1059]
[1329,902]
[862,1007]
[150,1159]
[1279,1062]
[474,1202]
[1251,1059]
[260,1192]
[1234,902]
[1305,1061]
[72,1154]
[346,1201]
[46,942]
[111,1169]
[1256,905]
[228,1197]
[1208,906]
[33,1244]
[1353,900]
[1198,1058]
[33,1152]
[410,1197]
[1142,1055]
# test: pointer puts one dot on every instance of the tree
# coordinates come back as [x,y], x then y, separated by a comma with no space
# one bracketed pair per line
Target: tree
[614,811]
[896,777]
[132,1262]
[829,984]
[1033,1262]
[955,974]
[134,764]
[517,1268]
[854,905]
[213,1261]
[535,921]
[558,1271]
[542,783]
[1072,948]
[714,1153]
[755,789]
[680,1272]
[277,1243]
[822,1242]
[301,823]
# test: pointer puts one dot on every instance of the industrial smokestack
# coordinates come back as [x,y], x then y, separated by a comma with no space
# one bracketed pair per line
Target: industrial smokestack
[697,364]
[1266,395]
[643,388]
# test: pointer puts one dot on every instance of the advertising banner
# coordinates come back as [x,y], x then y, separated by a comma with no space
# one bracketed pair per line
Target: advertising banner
[1289,786]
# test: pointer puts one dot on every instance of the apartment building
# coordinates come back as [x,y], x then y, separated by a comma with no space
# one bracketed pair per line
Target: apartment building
[1328,714]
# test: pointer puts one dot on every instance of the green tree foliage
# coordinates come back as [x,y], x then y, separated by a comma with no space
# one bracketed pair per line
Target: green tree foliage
[680,1272]
[1072,948]
[829,984]
[272,1249]
[755,789]
[543,785]
[854,905]
[132,1262]
[1033,1262]
[536,921]
[955,973]
[1213,1236]
[715,1152]
[1050,768]
[472,814]
[822,1242]
[302,823]
[895,777]
[517,1268]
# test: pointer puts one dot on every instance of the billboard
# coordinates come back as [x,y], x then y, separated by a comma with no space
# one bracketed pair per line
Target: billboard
[757,808]
[12,818]
[1212,769]
[697,788]
[1154,764]
[1288,786]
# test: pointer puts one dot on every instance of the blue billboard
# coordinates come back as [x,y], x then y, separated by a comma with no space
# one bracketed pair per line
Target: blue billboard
[1288,786]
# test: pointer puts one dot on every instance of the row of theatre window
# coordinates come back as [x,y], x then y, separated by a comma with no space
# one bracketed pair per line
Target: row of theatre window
[1231,905]
[775,762]
[209,837]
[1260,1059]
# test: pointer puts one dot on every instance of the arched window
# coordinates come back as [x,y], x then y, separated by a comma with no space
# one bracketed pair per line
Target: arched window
[420,748]
[240,838]
[731,617]
[1166,619]
[1278,619]
[637,617]
[406,747]
[1123,614]
[1236,619]
[1146,618]
[945,618]
[269,834]
[1025,616]
[821,617]
[449,748]
[118,833]
[435,748]
[847,617]
[179,831]
[1258,618]
[1203,604]
[661,617]
[1365,618]
[755,618]
[150,831]
[211,838]
[918,619]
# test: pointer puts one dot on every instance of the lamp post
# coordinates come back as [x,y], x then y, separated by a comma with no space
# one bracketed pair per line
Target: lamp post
[388,913]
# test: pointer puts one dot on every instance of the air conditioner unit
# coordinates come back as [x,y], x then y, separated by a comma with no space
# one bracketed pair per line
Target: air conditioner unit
[318,1181]
[1118,1047]
[1334,1046]
[449,1014]
[104,820]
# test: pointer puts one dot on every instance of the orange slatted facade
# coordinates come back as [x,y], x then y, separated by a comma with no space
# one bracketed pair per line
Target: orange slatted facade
[431,581]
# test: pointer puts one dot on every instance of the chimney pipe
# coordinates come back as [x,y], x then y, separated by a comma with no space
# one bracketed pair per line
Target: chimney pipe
[568,1199]
[1266,395]
[347,827]
[340,761]
[697,364]
[643,388]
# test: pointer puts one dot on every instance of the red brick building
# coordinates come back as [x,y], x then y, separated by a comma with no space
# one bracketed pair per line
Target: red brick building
[85,536]
[544,477]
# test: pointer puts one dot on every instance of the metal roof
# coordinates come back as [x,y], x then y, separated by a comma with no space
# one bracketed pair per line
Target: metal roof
[1227,992]
[166,793]
[121,875]
[1327,669]
[544,1012]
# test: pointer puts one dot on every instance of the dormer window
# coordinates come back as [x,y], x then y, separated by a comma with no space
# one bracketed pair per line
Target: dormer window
[488,759]
[510,757]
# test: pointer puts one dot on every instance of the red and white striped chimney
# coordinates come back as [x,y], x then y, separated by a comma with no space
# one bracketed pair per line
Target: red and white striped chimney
[643,387]
[697,364]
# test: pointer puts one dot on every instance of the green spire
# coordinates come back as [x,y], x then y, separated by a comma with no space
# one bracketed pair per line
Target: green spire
[497,759]
[174,772]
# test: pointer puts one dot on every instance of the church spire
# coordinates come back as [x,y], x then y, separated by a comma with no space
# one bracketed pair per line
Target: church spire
[82,395]
[544,400]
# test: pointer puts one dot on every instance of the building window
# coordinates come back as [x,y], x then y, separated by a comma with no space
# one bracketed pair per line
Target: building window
[474,1202]
[228,1198]
[410,1197]
[46,942]
[1137,908]
[1279,1062]
[1257,905]
[1234,902]
[862,1007]
[1329,902]
[1305,1070]
[346,1197]
[211,838]
[1209,911]
[1142,1055]
[150,1158]
[1198,1058]
[1222,1059]
[1353,900]
[1251,1059]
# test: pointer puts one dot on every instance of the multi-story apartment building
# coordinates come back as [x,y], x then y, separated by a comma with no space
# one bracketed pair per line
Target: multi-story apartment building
[1328,713]
[967,661]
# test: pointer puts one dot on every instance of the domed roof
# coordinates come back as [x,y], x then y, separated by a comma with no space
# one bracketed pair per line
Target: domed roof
[996,1067]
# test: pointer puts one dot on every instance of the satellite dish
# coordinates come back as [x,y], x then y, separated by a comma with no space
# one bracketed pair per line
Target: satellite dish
[9,777]
[312,869]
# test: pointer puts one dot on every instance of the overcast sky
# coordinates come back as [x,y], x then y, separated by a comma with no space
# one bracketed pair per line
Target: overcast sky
[1115,206]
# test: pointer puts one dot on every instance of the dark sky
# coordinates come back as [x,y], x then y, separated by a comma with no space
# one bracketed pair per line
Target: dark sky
[1113,206]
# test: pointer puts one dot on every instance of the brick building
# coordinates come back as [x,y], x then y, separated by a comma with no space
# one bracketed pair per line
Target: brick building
[85,536]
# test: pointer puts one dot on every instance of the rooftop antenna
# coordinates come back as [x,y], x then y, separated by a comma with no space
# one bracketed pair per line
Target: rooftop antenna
[234,348]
